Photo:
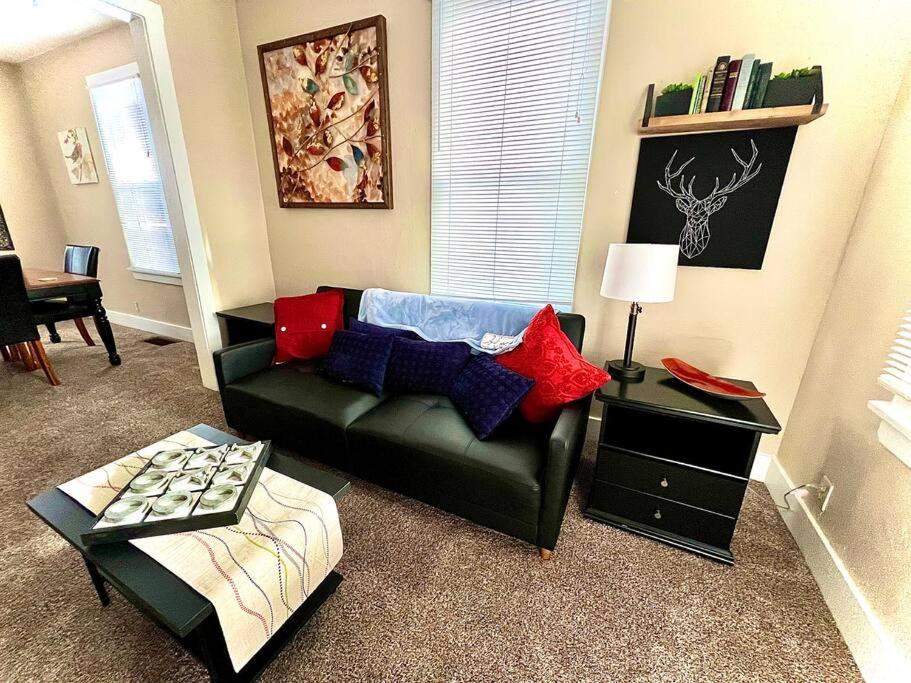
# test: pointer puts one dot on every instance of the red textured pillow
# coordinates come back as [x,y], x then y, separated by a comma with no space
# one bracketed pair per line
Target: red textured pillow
[561,374]
[304,325]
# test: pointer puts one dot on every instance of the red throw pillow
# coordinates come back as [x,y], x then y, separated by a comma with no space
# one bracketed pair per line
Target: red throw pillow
[304,325]
[561,374]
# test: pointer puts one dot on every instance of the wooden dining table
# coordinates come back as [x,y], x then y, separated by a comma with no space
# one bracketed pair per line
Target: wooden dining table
[52,284]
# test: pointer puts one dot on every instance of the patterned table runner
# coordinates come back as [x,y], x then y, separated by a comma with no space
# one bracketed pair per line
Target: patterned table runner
[256,573]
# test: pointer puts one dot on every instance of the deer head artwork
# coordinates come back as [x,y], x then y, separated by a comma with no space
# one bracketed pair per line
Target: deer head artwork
[694,237]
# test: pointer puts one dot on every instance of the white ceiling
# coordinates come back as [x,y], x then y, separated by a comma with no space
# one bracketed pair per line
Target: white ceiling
[29,28]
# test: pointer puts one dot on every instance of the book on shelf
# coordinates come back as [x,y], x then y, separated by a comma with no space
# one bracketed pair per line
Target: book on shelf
[706,87]
[696,96]
[762,82]
[719,78]
[730,85]
[743,81]
[751,84]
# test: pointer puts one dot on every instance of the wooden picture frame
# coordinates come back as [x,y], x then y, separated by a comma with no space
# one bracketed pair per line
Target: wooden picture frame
[315,92]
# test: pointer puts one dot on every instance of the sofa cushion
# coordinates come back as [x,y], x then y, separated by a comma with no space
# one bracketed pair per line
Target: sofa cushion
[359,359]
[304,324]
[297,405]
[421,445]
[487,393]
[561,374]
[361,327]
[423,367]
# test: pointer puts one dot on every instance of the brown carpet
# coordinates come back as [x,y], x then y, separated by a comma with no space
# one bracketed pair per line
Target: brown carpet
[426,597]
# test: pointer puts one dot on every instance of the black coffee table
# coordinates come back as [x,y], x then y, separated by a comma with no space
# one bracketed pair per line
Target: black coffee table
[166,599]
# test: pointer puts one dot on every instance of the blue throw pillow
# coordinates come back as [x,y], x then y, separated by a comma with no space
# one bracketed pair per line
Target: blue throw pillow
[486,393]
[424,367]
[359,326]
[359,359]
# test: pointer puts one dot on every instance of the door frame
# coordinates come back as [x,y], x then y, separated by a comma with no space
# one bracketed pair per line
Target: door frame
[146,21]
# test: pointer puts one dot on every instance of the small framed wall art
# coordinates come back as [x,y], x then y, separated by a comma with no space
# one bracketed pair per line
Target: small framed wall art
[77,156]
[327,102]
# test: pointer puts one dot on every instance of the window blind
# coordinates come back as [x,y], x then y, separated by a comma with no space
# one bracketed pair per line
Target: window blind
[515,92]
[129,154]
[895,415]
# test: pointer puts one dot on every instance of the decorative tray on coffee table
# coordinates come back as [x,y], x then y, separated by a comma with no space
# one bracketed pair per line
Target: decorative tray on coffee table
[183,490]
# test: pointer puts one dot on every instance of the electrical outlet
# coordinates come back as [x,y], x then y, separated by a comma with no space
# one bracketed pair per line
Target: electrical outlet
[824,492]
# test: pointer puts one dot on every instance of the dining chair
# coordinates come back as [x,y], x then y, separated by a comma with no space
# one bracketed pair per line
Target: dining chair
[80,260]
[18,331]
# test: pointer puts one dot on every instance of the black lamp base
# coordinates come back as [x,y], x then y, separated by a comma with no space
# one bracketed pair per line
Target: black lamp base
[634,372]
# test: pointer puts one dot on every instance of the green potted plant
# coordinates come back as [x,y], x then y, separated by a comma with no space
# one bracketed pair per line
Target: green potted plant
[674,100]
[791,88]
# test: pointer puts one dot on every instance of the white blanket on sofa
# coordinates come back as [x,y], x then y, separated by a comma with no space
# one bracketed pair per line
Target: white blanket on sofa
[489,326]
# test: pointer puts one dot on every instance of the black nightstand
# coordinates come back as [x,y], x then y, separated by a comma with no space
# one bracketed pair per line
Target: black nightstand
[674,463]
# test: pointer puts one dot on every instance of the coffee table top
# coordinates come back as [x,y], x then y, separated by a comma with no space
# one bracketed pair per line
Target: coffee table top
[155,590]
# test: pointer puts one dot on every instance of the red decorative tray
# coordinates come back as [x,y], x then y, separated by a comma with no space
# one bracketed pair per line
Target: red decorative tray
[703,381]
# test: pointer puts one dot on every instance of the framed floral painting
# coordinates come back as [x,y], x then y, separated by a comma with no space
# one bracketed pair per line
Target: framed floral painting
[327,103]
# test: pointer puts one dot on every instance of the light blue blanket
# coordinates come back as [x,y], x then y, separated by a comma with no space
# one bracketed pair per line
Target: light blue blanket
[488,326]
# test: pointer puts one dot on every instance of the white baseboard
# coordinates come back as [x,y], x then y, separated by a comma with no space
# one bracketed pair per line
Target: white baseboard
[760,463]
[876,655]
[154,326]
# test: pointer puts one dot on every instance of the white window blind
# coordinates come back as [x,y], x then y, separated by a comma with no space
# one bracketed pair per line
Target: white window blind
[129,154]
[515,93]
[895,415]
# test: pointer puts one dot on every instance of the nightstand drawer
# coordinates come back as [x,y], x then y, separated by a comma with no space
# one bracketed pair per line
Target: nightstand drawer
[683,484]
[664,515]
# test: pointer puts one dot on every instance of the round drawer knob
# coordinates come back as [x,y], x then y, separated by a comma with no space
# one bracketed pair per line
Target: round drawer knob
[664,483]
[657,514]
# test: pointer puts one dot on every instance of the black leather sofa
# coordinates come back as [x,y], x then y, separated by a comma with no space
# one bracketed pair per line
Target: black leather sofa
[518,482]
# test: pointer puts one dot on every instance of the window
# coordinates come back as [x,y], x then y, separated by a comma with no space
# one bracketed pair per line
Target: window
[895,415]
[129,154]
[515,92]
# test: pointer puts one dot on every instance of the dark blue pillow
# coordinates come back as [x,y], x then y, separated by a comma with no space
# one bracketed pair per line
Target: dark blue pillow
[355,325]
[359,359]
[486,393]
[424,367]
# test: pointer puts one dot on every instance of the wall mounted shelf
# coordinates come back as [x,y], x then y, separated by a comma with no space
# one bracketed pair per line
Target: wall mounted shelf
[742,119]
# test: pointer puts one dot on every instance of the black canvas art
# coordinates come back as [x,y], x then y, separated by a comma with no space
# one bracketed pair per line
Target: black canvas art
[714,194]
[6,242]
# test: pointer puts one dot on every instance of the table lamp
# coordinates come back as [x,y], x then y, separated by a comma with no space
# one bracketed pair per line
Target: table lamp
[638,273]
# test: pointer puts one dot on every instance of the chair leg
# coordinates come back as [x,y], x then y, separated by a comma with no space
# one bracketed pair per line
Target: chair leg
[545,553]
[14,353]
[4,352]
[25,355]
[86,337]
[52,331]
[37,349]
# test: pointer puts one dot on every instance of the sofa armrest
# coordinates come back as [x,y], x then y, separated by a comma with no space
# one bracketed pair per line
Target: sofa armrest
[235,362]
[563,453]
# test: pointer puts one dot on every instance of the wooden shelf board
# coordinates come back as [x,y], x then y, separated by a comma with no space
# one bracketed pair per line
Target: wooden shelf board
[744,119]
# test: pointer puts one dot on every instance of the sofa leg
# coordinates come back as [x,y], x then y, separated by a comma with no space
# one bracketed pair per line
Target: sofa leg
[545,553]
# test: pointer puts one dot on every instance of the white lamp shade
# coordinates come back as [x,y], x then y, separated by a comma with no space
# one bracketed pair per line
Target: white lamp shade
[646,273]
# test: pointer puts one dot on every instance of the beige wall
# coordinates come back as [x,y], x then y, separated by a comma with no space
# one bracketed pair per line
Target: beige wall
[28,203]
[752,324]
[831,430]
[355,248]
[54,85]
[204,50]
[757,325]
